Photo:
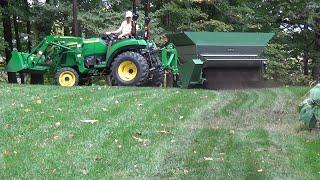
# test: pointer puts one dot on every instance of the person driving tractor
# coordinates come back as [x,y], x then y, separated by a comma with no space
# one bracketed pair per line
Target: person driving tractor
[126,26]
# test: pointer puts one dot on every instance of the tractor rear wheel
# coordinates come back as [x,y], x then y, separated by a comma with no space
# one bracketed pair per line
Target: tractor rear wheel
[157,75]
[67,77]
[129,69]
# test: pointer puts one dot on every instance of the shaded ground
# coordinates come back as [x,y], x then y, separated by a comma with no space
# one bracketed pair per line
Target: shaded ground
[154,133]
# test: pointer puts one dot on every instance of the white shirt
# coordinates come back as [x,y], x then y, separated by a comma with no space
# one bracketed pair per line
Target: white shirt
[125,28]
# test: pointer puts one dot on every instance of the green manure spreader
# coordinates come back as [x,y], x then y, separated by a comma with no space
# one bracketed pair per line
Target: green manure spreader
[215,60]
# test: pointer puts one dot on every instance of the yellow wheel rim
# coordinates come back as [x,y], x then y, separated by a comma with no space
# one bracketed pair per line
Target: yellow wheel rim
[127,71]
[67,79]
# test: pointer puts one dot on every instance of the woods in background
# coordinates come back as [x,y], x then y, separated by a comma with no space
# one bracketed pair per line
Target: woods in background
[294,54]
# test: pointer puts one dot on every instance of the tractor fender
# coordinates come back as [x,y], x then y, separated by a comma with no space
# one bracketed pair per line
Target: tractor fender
[123,46]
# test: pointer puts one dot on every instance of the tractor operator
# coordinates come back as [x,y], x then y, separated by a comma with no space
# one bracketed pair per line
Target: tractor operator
[126,26]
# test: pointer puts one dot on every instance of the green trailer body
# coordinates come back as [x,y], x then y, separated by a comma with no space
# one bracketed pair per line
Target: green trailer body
[220,60]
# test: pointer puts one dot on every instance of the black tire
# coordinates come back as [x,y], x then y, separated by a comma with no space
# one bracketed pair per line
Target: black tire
[141,65]
[71,77]
[157,75]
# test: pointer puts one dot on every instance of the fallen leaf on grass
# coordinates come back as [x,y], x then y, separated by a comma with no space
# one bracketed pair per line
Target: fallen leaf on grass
[208,158]
[57,124]
[84,171]
[38,101]
[27,110]
[138,139]
[7,153]
[7,126]
[71,135]
[164,132]
[89,121]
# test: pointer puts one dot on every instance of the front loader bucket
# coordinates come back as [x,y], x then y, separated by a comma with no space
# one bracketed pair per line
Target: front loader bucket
[17,63]
[230,60]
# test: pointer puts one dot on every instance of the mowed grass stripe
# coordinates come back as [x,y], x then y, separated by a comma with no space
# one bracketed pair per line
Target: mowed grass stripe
[121,142]
[172,151]
[153,162]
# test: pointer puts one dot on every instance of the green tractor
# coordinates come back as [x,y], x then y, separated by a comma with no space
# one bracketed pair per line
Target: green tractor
[128,61]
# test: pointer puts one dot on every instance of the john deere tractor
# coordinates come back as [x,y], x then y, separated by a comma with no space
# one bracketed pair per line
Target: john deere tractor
[128,61]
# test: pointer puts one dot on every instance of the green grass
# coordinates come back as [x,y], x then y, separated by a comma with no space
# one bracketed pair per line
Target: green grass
[154,133]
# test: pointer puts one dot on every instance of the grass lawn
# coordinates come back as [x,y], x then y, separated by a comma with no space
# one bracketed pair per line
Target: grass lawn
[154,133]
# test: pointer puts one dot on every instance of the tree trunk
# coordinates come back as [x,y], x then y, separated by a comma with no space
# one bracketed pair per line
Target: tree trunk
[16,32]
[18,42]
[315,72]
[75,24]
[28,25]
[316,67]
[306,64]
[7,33]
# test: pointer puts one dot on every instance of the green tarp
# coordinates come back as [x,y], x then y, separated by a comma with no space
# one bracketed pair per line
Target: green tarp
[310,108]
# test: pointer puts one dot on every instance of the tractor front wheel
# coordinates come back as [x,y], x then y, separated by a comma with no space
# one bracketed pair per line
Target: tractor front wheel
[129,69]
[67,77]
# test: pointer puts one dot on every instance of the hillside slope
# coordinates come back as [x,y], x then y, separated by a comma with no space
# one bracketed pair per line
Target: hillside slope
[154,133]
